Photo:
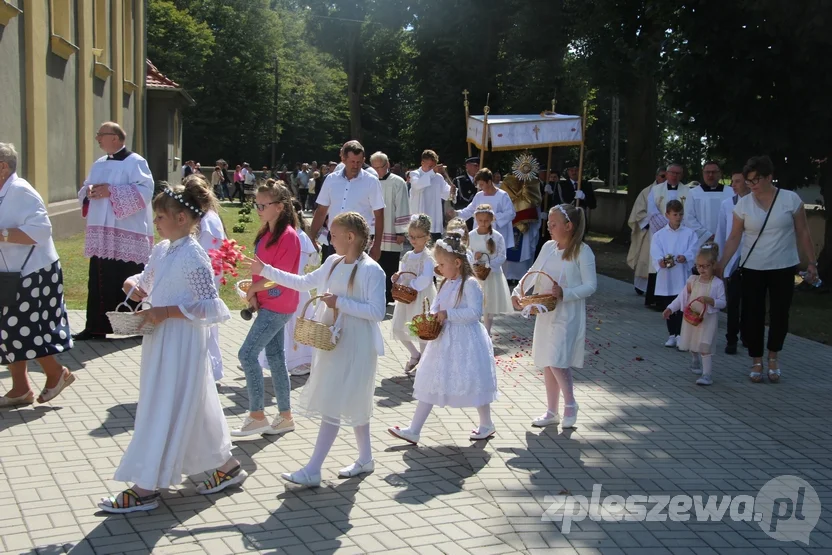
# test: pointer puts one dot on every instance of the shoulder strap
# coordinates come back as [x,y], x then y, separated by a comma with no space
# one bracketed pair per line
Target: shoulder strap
[28,256]
[762,229]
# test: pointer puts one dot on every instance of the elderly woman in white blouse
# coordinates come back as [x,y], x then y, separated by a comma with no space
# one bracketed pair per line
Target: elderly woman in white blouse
[33,319]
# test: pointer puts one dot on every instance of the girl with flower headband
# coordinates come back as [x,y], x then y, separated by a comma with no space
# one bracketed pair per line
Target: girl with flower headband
[489,249]
[559,335]
[703,295]
[180,429]
[418,262]
[457,368]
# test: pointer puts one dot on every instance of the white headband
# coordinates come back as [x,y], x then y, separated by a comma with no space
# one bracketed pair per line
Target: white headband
[443,245]
[563,211]
[178,196]
[484,211]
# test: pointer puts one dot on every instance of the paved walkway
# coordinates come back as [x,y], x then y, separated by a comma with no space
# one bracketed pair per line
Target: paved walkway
[644,428]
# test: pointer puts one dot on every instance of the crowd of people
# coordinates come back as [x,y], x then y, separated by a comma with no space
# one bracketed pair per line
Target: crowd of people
[350,256]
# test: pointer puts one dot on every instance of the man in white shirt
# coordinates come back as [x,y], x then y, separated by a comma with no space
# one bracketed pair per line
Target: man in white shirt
[702,210]
[303,184]
[116,201]
[733,283]
[427,191]
[352,189]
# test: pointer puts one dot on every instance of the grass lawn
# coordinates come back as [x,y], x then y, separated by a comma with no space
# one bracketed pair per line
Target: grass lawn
[810,311]
[76,267]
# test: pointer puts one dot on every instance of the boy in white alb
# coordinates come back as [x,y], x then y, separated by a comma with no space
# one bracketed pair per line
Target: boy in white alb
[672,251]
[427,191]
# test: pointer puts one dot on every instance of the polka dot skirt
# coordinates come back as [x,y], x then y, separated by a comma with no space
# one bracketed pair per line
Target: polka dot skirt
[37,325]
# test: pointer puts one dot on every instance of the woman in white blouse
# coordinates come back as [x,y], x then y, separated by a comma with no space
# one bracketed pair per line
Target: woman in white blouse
[768,261]
[33,324]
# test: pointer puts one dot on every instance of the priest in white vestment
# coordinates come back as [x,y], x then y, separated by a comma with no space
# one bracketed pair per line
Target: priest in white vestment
[702,210]
[638,257]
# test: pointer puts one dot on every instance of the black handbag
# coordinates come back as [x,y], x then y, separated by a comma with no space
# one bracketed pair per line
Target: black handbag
[10,283]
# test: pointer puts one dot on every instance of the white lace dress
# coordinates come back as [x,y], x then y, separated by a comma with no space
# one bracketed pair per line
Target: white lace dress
[422,265]
[298,354]
[342,381]
[495,287]
[457,368]
[559,335]
[211,235]
[180,428]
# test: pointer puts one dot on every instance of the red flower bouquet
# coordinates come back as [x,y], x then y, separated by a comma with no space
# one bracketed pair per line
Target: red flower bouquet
[224,259]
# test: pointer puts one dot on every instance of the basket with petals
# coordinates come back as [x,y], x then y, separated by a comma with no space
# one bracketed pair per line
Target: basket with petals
[694,316]
[425,325]
[546,300]
[225,258]
[403,293]
[312,333]
[482,269]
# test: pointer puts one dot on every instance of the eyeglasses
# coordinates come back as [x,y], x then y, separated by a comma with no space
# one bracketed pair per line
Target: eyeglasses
[261,207]
[674,172]
[703,266]
[755,181]
[97,135]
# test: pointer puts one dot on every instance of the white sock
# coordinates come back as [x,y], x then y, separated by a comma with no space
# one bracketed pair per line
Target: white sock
[362,438]
[326,437]
[414,352]
[706,365]
[489,321]
[485,416]
[420,417]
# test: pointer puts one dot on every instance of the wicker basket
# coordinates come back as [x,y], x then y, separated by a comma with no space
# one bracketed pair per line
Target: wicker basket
[693,316]
[312,333]
[548,300]
[242,287]
[427,329]
[129,322]
[481,270]
[403,293]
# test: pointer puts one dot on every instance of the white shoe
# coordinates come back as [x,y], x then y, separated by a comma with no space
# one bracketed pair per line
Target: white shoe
[302,478]
[569,421]
[252,427]
[302,370]
[671,341]
[483,432]
[404,433]
[546,419]
[356,469]
[280,426]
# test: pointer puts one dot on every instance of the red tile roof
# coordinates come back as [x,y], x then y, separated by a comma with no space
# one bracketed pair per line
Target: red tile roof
[157,80]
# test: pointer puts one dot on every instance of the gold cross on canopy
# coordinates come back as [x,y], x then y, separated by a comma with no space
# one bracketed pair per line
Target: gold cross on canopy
[536,132]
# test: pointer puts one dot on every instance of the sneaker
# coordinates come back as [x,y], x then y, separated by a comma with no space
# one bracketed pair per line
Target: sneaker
[731,349]
[302,370]
[281,425]
[671,341]
[546,419]
[705,380]
[252,427]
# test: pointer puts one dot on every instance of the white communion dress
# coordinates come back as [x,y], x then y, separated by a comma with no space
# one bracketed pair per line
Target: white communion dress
[211,235]
[422,265]
[559,335]
[495,286]
[342,381]
[457,368]
[180,428]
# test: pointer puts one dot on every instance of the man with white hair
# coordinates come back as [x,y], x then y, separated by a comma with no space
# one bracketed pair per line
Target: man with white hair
[396,217]
[116,201]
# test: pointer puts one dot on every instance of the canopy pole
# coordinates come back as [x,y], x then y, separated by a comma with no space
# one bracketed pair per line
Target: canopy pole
[484,142]
[465,103]
[548,177]
[581,161]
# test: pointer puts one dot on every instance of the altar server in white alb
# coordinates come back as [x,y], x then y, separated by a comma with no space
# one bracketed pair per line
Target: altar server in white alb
[500,203]
[559,335]
[660,195]
[672,250]
[428,190]
[115,200]
[702,210]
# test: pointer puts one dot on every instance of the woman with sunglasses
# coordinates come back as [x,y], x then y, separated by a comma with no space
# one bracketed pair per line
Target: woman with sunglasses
[771,225]
[277,244]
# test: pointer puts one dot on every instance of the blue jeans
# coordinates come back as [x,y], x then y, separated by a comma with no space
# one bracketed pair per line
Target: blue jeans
[266,333]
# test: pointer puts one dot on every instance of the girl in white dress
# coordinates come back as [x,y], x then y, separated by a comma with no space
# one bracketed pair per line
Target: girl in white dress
[180,428]
[211,236]
[558,344]
[489,248]
[418,262]
[341,384]
[457,368]
[708,292]
[298,355]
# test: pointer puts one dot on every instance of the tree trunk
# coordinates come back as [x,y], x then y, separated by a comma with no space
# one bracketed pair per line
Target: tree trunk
[825,257]
[354,85]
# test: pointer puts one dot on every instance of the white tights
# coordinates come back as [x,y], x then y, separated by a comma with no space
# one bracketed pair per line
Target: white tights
[488,321]
[559,381]
[326,438]
[414,352]
[423,411]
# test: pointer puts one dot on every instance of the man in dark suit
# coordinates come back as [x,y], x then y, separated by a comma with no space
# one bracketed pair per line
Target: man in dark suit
[465,185]
[567,190]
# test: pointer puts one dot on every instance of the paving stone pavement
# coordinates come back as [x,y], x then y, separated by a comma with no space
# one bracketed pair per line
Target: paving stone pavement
[644,429]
